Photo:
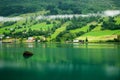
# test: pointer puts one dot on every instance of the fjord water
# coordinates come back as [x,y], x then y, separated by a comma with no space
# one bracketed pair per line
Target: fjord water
[56,61]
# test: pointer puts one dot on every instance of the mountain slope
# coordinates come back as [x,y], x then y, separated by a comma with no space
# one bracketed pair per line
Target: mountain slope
[17,7]
[93,28]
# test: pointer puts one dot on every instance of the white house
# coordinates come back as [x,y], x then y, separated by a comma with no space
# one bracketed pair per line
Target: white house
[76,41]
[30,39]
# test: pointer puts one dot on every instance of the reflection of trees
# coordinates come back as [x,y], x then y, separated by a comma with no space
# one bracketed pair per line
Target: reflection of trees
[60,54]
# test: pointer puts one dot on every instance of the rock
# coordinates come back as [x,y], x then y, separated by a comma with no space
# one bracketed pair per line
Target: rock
[27,54]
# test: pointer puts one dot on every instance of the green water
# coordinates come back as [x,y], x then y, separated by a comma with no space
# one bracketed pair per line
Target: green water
[60,61]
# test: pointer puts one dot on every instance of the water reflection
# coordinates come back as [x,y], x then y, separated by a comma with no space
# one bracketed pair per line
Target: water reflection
[112,70]
[60,62]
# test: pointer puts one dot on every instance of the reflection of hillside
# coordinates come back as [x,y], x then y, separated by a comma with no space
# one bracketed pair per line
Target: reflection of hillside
[59,54]
[58,60]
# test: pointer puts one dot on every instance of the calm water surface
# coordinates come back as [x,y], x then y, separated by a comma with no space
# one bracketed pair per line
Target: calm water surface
[55,61]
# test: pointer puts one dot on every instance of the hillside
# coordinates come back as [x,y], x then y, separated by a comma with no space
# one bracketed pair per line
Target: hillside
[18,7]
[96,29]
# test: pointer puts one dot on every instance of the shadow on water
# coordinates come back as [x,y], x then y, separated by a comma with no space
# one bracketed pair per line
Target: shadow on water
[60,62]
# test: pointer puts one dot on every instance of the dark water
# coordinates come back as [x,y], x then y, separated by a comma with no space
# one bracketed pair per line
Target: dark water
[60,61]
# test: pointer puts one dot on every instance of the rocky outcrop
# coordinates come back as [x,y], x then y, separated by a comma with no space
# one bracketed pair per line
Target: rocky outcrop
[27,54]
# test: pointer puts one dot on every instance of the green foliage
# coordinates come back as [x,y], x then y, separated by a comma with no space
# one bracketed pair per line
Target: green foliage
[80,22]
[63,36]
[92,27]
[62,29]
[110,24]
[17,7]
[8,23]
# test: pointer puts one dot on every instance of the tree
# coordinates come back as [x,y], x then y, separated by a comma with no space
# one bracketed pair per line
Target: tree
[86,40]
[92,27]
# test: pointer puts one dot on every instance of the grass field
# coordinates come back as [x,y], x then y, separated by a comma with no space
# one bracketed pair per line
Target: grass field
[59,30]
[95,36]
[97,28]
[84,28]
[117,20]
[38,26]
[102,33]
[43,26]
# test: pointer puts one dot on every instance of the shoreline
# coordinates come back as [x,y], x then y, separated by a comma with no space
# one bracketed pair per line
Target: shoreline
[64,42]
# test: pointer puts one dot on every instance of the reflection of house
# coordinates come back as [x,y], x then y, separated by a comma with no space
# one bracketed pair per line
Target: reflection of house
[31,39]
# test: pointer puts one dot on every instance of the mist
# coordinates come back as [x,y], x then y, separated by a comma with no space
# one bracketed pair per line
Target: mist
[106,13]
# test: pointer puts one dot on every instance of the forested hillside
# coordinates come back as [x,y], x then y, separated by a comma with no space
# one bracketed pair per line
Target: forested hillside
[94,28]
[17,7]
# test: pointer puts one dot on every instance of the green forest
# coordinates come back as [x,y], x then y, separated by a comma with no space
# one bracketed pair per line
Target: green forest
[17,7]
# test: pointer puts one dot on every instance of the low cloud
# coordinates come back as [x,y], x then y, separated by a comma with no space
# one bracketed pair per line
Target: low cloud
[111,13]
[5,19]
